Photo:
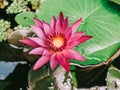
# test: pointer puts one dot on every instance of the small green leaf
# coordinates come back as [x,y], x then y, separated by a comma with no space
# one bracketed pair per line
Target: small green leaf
[113,79]
[25,18]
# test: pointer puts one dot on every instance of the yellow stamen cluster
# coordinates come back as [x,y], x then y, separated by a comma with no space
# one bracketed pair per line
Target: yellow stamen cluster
[58,41]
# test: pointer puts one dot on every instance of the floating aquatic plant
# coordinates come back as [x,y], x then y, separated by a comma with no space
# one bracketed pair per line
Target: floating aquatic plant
[3,4]
[4,29]
[20,27]
[35,4]
[18,6]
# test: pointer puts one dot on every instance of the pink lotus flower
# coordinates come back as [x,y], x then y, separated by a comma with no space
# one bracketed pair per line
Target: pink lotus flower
[55,42]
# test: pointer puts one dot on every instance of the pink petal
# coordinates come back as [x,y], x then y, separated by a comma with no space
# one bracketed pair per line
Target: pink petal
[37,51]
[75,25]
[40,51]
[39,41]
[53,23]
[39,32]
[76,36]
[65,65]
[53,61]
[38,22]
[46,52]
[71,45]
[41,61]
[84,38]
[73,40]
[47,28]
[73,55]
[61,17]
[59,23]
[68,33]
[63,62]
[29,42]
[74,43]
[65,23]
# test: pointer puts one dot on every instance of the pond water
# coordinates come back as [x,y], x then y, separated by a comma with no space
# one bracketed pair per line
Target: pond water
[13,75]
[7,67]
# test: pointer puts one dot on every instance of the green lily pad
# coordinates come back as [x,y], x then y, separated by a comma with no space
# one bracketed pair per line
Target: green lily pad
[100,20]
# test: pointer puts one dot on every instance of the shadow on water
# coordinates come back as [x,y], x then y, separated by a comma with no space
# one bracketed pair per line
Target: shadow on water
[14,75]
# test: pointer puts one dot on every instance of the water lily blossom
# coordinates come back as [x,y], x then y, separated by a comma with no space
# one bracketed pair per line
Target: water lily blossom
[56,42]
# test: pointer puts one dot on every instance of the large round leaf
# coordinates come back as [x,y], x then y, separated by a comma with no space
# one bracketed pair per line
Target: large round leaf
[100,20]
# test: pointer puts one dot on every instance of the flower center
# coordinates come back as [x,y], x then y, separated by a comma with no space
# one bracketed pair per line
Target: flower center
[58,41]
